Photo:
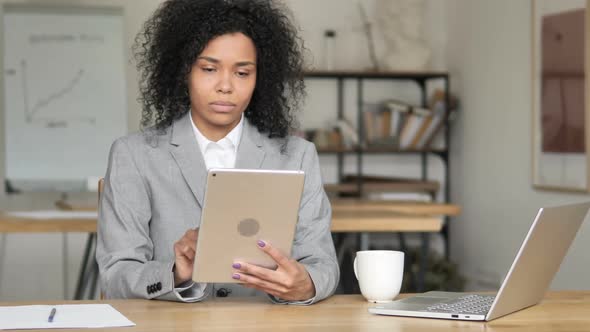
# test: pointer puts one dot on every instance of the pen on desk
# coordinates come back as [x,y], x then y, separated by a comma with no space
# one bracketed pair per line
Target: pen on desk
[51,315]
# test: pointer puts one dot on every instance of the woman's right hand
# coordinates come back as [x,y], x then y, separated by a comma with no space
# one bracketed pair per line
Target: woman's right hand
[184,252]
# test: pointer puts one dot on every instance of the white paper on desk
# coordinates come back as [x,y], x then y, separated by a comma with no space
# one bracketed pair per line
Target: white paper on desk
[54,214]
[66,316]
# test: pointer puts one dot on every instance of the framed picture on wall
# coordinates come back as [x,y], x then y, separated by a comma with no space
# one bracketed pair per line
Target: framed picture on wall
[561,113]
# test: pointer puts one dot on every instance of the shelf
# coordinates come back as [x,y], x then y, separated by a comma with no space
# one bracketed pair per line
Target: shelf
[383,222]
[383,216]
[405,207]
[376,74]
[351,188]
[377,149]
[353,215]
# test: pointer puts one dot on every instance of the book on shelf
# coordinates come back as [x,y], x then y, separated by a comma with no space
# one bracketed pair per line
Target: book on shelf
[414,127]
[394,123]
[421,132]
[390,124]
[403,126]
[440,116]
[371,120]
[381,122]
[434,126]
[399,114]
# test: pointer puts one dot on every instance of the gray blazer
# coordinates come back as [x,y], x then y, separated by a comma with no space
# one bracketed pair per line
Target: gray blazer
[153,193]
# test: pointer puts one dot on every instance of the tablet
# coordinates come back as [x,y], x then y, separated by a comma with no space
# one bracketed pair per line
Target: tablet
[243,206]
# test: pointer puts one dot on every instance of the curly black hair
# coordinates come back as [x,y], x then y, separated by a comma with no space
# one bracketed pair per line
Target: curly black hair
[179,31]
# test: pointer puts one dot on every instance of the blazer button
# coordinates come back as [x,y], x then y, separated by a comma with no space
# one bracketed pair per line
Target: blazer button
[223,292]
[159,286]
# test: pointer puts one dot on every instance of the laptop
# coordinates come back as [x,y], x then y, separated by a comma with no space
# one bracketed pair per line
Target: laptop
[537,261]
[241,207]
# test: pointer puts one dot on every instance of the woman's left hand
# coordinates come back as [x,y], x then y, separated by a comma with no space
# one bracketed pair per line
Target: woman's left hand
[290,281]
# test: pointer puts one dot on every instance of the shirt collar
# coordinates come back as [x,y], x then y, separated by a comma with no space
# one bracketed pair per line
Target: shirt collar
[233,136]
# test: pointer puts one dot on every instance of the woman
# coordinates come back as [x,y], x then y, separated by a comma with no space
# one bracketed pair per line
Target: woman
[220,82]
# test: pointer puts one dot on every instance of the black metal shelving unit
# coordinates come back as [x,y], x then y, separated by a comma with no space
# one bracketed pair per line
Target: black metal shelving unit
[421,79]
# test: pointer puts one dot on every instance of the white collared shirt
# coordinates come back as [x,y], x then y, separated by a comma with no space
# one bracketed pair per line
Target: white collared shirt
[220,154]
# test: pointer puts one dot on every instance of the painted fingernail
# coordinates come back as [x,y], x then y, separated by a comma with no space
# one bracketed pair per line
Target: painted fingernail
[235,276]
[236,265]
[261,243]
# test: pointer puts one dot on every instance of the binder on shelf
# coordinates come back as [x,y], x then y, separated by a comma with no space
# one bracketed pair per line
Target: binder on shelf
[414,127]
[370,114]
[400,112]
[385,123]
[377,125]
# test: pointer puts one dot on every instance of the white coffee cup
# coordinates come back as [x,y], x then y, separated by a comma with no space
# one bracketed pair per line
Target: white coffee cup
[380,274]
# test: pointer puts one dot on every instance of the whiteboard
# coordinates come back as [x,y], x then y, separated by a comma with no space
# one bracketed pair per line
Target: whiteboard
[64,93]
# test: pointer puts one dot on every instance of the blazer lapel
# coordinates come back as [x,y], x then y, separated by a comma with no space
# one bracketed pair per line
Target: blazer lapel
[187,154]
[250,151]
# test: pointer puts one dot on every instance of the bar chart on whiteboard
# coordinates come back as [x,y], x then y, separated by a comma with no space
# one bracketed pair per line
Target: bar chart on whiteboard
[65,97]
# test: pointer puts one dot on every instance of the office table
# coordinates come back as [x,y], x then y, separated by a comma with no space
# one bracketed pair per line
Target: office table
[15,224]
[349,216]
[559,311]
[88,275]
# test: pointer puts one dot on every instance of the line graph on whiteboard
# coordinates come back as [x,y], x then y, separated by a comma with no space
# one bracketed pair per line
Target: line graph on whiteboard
[42,109]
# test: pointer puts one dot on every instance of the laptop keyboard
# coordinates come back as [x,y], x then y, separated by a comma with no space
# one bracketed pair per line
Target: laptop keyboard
[469,304]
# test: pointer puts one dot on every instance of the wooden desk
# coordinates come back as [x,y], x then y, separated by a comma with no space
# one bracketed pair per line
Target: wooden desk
[375,216]
[560,311]
[349,216]
[360,221]
[383,221]
[414,208]
[88,274]
[13,224]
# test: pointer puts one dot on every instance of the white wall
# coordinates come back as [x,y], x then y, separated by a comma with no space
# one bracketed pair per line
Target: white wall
[316,16]
[489,59]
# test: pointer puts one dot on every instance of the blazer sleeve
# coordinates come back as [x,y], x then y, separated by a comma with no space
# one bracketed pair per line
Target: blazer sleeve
[124,251]
[313,246]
